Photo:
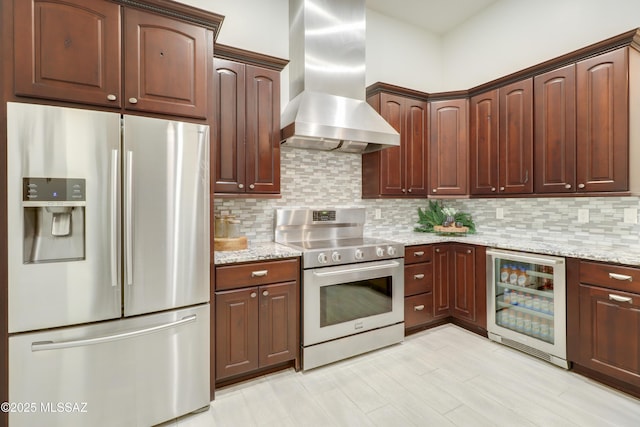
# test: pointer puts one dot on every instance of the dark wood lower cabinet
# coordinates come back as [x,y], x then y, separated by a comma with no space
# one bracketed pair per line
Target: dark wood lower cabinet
[456,291]
[603,323]
[256,327]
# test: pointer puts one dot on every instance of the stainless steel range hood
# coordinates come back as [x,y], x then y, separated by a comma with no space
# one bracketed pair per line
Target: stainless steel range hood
[328,110]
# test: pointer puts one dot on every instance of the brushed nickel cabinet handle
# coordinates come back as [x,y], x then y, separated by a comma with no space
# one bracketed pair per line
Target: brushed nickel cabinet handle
[265,293]
[493,189]
[259,273]
[133,100]
[418,253]
[410,190]
[618,298]
[111,97]
[580,185]
[251,186]
[253,295]
[620,277]
[567,186]
[501,188]
[240,186]
[418,307]
[468,251]
[437,249]
[418,276]
[434,190]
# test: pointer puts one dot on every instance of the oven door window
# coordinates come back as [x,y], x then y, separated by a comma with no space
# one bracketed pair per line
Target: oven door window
[345,302]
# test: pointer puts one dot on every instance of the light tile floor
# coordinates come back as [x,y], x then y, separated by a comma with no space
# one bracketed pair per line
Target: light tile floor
[444,376]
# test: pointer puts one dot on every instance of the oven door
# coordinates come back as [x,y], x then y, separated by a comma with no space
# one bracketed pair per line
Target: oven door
[348,299]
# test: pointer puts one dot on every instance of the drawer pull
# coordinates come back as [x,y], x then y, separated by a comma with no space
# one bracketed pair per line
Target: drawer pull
[418,307]
[419,253]
[259,273]
[619,298]
[265,293]
[418,276]
[253,295]
[620,277]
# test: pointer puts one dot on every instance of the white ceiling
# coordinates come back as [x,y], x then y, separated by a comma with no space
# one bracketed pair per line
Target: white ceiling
[436,16]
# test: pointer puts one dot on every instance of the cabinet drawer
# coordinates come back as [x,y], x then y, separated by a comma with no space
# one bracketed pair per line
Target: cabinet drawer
[415,254]
[418,278]
[259,273]
[418,309]
[613,276]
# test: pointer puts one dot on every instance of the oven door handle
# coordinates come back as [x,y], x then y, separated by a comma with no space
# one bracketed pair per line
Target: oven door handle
[391,264]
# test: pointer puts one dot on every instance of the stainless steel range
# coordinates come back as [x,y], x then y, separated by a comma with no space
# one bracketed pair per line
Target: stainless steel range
[352,286]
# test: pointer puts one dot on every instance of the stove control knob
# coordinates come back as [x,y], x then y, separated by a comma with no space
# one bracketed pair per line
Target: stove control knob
[322,258]
[358,254]
[336,257]
[391,251]
[379,252]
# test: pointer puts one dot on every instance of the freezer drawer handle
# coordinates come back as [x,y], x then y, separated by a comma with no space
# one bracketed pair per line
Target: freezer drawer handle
[259,273]
[618,298]
[50,345]
[620,277]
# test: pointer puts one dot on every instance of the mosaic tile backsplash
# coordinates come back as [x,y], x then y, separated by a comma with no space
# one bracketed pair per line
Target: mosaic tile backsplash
[320,179]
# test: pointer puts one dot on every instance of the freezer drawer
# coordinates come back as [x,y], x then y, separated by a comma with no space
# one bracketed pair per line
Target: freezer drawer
[130,372]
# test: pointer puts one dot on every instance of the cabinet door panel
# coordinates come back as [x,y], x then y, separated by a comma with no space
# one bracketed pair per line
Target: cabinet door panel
[484,143]
[555,131]
[229,136]
[441,300]
[392,159]
[609,332]
[68,50]
[463,282]
[165,65]
[516,137]
[278,319]
[236,332]
[263,130]
[448,147]
[416,147]
[603,122]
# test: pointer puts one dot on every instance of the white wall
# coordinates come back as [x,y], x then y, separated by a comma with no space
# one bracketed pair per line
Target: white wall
[401,54]
[514,34]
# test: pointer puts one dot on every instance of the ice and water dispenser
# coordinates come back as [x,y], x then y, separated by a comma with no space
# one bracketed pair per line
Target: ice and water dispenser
[54,219]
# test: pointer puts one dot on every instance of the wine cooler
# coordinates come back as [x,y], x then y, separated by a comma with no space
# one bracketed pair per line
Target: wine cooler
[526,303]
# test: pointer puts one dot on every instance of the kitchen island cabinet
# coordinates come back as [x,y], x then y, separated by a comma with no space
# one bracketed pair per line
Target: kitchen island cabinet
[257,317]
[398,171]
[247,117]
[603,323]
[122,56]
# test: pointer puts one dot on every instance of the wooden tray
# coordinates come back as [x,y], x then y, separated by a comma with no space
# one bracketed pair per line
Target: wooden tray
[233,244]
[453,229]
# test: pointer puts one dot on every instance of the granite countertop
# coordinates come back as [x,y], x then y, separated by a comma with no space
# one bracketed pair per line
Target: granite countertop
[588,251]
[261,251]
[258,251]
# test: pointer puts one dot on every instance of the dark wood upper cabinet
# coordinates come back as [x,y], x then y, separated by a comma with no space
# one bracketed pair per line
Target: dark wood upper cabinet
[68,50]
[165,65]
[555,131]
[247,124]
[516,137]
[483,143]
[398,171]
[603,122]
[448,147]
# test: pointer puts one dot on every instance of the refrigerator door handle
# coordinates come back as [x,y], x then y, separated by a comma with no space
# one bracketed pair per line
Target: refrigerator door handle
[114,217]
[129,218]
[49,345]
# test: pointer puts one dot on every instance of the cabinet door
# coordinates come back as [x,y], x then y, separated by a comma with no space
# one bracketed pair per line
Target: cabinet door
[68,50]
[603,122]
[262,130]
[448,147]
[555,131]
[609,332]
[229,115]
[236,332]
[392,181]
[484,143]
[441,301]
[516,137]
[278,320]
[463,282]
[165,65]
[416,149]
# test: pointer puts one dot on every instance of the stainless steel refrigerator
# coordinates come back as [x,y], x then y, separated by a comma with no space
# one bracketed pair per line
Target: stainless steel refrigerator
[108,230]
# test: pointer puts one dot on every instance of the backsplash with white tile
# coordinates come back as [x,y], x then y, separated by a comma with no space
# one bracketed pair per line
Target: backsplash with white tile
[320,179]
